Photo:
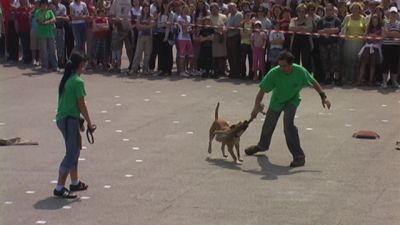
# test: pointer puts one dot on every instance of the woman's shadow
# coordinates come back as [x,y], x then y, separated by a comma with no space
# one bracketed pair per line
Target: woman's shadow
[53,203]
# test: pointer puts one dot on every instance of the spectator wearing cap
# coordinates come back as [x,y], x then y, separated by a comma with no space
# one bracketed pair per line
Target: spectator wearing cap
[233,40]
[219,40]
[301,44]
[258,41]
[391,49]
[329,46]
[46,34]
[354,25]
[245,46]
[60,11]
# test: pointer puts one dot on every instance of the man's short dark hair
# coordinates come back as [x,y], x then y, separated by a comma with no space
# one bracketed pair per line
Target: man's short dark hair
[287,56]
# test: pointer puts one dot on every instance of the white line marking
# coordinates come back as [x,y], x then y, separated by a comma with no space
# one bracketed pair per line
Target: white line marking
[125,139]
[383,105]
[146,100]
[54,120]
[385,121]
[81,159]
[118,104]
[2,123]
[107,186]
[128,175]
[321,113]
[208,86]
[176,121]
[30,192]
[118,131]
[67,207]
[8,203]
[107,121]
[53,182]
[158,92]
[84,197]
[41,222]
[84,147]
[309,128]
[190,132]
[235,91]
[348,125]
[139,160]
[104,111]
[117,96]
[136,148]
[183,95]
[352,110]
[262,119]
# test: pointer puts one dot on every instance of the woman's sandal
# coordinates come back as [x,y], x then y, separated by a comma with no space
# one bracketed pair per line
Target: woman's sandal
[64,193]
[79,187]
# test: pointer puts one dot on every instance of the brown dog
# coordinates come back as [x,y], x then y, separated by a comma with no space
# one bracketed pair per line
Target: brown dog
[227,135]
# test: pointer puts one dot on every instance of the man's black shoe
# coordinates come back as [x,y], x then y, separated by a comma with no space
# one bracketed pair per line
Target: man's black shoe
[252,150]
[297,163]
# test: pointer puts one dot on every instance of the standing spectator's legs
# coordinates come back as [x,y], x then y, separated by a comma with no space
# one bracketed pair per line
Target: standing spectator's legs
[138,54]
[60,46]
[35,48]
[305,52]
[48,53]
[219,66]
[296,52]
[26,51]
[233,53]
[2,46]
[44,55]
[165,58]
[148,45]
[79,31]
[12,42]
[156,50]
[350,51]
[258,62]
[246,52]
[316,62]
[51,46]
[69,40]
[291,133]
[89,47]
[134,39]
[128,45]
[391,63]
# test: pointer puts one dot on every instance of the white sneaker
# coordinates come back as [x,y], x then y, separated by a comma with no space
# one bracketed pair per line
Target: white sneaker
[384,85]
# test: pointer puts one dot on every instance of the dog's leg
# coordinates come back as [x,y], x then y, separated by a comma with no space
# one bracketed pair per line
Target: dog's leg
[223,150]
[237,146]
[230,150]
[210,141]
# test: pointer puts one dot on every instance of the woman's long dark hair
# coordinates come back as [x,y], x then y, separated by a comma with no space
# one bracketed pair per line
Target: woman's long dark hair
[71,66]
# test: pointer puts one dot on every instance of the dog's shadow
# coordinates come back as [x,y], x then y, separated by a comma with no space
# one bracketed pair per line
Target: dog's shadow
[223,163]
[271,171]
[53,203]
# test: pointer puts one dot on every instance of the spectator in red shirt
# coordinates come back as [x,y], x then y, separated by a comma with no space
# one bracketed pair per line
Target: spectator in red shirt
[23,28]
[100,31]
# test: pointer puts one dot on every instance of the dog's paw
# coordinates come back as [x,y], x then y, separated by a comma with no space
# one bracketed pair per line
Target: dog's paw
[238,162]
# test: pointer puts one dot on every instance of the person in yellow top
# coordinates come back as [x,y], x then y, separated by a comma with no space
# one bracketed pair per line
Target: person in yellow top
[353,25]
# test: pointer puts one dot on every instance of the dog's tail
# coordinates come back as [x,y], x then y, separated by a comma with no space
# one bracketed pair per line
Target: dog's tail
[216,111]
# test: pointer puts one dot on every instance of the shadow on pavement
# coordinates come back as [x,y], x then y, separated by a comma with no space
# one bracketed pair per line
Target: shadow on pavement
[53,203]
[271,171]
[223,163]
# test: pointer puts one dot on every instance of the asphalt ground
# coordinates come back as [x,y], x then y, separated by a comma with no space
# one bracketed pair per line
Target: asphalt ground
[149,164]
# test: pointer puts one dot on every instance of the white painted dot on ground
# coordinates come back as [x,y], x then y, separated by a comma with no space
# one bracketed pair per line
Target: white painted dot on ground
[383,105]
[128,175]
[107,121]
[118,104]
[183,95]
[135,148]
[176,121]
[208,86]
[125,139]
[385,121]
[117,96]
[53,182]
[352,110]
[321,113]
[139,160]
[103,111]
[348,125]
[84,147]
[84,197]
[81,159]
[158,92]
[41,222]
[8,203]
[67,207]
[235,91]
[309,128]
[30,192]
[107,186]
[118,131]
[190,132]
[2,123]
[146,100]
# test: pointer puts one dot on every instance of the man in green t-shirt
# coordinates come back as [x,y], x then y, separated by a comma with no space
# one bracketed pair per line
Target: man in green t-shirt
[285,81]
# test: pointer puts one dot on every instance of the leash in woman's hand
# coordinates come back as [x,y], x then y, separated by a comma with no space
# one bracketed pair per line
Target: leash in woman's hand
[89,133]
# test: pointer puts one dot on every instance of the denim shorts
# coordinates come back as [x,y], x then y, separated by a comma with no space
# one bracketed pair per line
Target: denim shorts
[69,128]
[79,31]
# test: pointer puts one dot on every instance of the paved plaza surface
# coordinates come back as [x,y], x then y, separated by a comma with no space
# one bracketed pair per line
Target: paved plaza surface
[149,164]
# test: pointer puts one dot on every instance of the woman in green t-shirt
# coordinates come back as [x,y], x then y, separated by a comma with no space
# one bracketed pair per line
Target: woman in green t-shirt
[71,103]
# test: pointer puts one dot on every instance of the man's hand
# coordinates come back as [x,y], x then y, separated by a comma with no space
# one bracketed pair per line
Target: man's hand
[327,103]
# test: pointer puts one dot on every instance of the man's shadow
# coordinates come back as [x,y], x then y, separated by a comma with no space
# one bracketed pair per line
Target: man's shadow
[271,171]
[53,203]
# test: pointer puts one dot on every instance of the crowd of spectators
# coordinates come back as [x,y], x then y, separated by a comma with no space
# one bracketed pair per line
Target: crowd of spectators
[352,42]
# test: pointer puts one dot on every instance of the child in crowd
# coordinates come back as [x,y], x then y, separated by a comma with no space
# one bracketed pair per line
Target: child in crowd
[34,45]
[258,41]
[185,48]
[371,53]
[100,29]
[245,46]
[276,40]
[205,60]
[117,38]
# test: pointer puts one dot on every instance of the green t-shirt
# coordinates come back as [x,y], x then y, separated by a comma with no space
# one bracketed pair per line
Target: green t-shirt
[45,30]
[285,87]
[68,101]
